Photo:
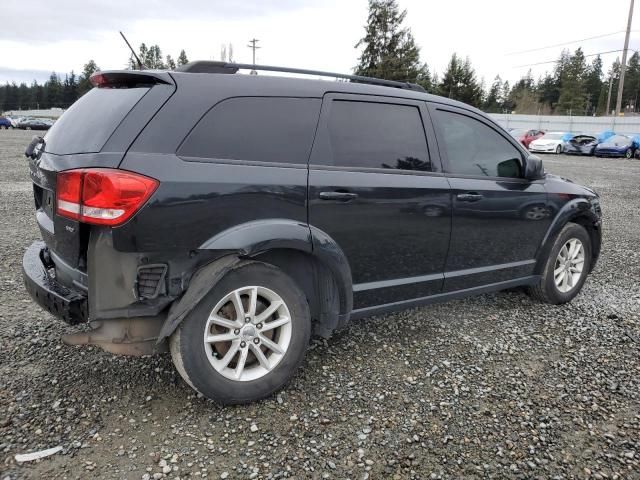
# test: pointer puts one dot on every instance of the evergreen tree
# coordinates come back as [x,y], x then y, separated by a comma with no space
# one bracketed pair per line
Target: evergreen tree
[182,58]
[390,51]
[53,89]
[84,85]
[614,73]
[632,83]
[573,94]
[495,100]
[459,82]
[170,63]
[425,80]
[593,85]
[70,89]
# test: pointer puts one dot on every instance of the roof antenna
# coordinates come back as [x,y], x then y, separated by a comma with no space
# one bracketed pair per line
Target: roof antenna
[140,64]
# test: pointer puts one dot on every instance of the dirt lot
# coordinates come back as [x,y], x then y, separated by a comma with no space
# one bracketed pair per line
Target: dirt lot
[494,386]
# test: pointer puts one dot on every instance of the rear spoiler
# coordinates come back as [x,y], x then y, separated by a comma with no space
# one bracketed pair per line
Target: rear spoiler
[130,78]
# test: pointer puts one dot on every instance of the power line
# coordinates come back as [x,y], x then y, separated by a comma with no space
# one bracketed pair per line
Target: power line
[554,61]
[567,43]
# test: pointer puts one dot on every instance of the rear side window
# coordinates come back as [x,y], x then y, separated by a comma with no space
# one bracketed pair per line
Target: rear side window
[269,129]
[377,135]
[473,148]
[89,123]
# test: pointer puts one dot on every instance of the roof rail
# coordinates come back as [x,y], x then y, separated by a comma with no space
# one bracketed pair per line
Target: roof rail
[211,66]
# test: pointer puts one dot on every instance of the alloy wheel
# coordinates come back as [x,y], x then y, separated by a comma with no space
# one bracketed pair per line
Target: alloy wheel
[569,265]
[247,333]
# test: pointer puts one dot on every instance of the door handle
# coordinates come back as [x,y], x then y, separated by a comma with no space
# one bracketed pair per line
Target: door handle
[344,196]
[469,197]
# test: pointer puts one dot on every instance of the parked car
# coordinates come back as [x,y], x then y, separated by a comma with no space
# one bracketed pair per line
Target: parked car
[525,137]
[580,145]
[278,207]
[33,124]
[5,123]
[617,146]
[551,142]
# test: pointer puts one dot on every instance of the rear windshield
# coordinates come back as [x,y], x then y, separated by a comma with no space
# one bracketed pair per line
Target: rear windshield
[89,123]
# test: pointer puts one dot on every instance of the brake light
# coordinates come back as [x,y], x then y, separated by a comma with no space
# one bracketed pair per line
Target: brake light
[102,196]
[98,80]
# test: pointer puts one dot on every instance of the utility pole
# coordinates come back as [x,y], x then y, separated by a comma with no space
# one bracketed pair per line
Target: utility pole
[609,95]
[623,66]
[252,45]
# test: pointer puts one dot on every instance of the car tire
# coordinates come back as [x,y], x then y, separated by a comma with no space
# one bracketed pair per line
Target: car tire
[227,368]
[28,128]
[560,282]
[558,149]
[628,153]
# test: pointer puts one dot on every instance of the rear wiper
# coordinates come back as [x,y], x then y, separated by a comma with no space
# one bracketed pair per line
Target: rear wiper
[35,147]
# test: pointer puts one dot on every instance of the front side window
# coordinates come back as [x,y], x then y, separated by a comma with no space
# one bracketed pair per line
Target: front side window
[473,148]
[377,135]
[261,129]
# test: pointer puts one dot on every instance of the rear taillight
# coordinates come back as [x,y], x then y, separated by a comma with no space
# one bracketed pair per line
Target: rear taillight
[101,196]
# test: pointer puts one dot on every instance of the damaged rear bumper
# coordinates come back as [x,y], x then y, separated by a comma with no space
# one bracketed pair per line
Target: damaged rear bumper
[67,304]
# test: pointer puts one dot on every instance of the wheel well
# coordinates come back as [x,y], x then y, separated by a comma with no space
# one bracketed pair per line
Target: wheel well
[315,280]
[594,235]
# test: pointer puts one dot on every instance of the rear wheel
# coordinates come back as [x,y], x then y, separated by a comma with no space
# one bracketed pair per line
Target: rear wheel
[566,267]
[628,153]
[246,338]
[559,149]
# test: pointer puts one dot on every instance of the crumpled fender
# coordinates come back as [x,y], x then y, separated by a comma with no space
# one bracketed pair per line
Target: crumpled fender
[199,286]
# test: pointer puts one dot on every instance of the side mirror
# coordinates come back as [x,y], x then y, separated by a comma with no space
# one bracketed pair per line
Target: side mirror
[533,168]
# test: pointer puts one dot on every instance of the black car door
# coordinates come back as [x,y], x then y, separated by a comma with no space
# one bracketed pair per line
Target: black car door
[499,217]
[376,188]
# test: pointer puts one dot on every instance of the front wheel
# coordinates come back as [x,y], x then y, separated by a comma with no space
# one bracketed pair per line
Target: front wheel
[566,267]
[559,149]
[246,338]
[628,153]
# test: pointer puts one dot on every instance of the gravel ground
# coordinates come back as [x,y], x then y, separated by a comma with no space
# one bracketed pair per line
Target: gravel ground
[493,386]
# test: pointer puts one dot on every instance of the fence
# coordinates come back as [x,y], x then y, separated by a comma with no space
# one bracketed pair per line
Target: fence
[624,125]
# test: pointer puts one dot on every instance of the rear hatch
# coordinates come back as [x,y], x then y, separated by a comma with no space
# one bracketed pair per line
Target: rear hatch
[95,132]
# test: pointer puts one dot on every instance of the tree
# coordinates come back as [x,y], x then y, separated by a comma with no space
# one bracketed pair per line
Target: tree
[84,85]
[632,82]
[573,94]
[69,89]
[53,91]
[459,82]
[182,58]
[494,101]
[593,85]
[153,58]
[170,63]
[390,51]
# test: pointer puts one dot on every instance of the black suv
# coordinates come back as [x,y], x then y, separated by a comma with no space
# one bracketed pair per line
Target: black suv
[228,217]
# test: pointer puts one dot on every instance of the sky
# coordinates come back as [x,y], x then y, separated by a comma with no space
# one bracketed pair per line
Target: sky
[317,34]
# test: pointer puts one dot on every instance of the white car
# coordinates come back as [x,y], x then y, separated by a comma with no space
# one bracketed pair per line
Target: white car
[550,142]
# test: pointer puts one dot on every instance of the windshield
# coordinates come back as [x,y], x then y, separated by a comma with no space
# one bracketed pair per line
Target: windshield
[618,139]
[518,132]
[553,136]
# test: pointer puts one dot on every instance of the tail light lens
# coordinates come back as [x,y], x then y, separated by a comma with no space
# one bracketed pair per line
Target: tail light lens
[102,196]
